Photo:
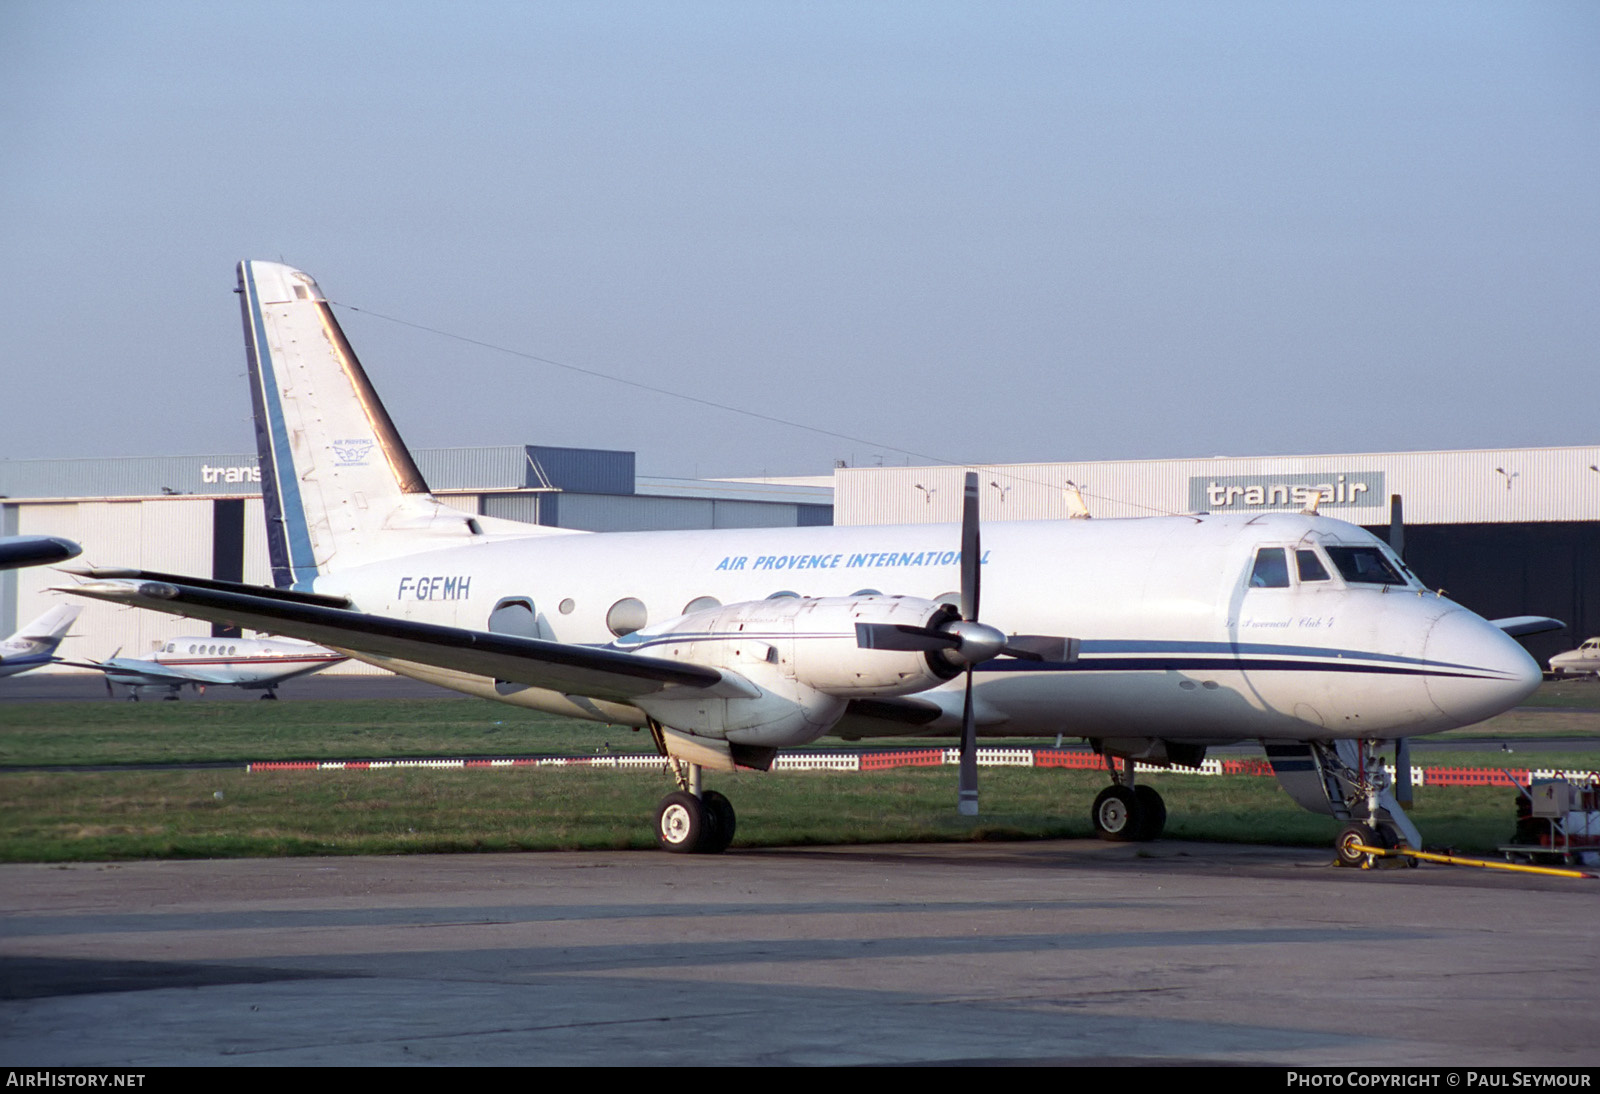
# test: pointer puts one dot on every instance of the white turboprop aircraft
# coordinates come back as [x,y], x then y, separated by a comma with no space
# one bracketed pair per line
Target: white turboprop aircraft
[252,663]
[35,644]
[1301,631]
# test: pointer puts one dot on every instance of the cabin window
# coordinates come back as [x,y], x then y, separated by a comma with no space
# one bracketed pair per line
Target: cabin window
[566,606]
[783,594]
[1365,566]
[701,603]
[1310,567]
[1271,570]
[626,616]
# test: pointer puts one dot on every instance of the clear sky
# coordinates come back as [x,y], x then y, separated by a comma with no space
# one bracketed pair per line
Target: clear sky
[975,231]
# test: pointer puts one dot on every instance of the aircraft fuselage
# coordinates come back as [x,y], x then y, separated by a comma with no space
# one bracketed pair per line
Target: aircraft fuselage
[1176,641]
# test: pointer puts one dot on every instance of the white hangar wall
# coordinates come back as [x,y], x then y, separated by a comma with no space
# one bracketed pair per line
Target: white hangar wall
[1480,486]
[1504,531]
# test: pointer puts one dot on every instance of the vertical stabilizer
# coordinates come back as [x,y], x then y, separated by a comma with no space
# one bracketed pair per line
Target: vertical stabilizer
[35,644]
[340,488]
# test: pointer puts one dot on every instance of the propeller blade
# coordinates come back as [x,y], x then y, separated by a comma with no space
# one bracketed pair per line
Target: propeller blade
[1042,647]
[902,637]
[967,780]
[971,552]
[1397,527]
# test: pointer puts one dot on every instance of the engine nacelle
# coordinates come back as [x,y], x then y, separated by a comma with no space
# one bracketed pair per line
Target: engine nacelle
[810,640]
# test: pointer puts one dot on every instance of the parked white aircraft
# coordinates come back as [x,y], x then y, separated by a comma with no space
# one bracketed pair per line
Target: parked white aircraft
[1583,661]
[252,663]
[1152,638]
[35,644]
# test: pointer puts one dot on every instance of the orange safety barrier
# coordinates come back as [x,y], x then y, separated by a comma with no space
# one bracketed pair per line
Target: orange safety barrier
[1074,759]
[882,761]
[1472,776]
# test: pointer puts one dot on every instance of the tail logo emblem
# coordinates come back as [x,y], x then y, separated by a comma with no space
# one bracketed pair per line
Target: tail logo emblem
[352,453]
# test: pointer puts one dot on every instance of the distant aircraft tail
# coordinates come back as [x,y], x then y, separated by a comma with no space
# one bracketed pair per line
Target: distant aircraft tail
[41,636]
[339,486]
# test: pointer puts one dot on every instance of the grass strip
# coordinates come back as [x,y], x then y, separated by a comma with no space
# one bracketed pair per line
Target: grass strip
[91,817]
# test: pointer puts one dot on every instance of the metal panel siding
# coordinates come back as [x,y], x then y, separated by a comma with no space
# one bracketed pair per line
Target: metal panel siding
[465,503]
[497,467]
[523,507]
[501,467]
[1468,487]
[607,513]
[751,514]
[146,476]
[580,470]
[257,566]
[175,536]
[734,490]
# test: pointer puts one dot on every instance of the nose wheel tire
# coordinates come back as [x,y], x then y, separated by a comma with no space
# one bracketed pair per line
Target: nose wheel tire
[1350,836]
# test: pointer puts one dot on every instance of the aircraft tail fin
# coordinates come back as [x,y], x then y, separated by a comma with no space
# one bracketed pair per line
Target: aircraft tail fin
[44,634]
[339,486]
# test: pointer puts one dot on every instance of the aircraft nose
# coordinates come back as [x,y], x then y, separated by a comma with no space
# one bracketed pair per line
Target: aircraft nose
[1479,670]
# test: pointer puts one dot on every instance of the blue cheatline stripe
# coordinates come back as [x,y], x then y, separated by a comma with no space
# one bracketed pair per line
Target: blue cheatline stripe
[1157,656]
[292,518]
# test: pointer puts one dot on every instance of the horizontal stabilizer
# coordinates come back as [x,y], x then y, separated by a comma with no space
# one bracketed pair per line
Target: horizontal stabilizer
[287,596]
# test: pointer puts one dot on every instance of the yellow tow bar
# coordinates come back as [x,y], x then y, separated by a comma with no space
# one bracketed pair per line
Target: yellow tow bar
[1457,860]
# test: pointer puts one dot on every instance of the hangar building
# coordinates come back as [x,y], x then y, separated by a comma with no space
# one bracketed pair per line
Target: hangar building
[1503,531]
[203,515]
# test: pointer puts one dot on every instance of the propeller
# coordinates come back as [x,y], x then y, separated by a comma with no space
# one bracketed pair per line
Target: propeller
[1402,747]
[966,641]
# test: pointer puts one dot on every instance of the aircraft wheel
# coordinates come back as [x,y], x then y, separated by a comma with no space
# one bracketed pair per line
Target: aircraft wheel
[721,822]
[681,823]
[1118,814]
[269,695]
[1353,834]
[1155,812]
[169,698]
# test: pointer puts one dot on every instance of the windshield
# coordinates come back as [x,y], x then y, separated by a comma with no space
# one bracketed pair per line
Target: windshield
[1365,566]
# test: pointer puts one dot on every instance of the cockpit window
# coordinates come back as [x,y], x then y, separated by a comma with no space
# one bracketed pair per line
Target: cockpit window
[1311,567]
[1365,566]
[1271,570]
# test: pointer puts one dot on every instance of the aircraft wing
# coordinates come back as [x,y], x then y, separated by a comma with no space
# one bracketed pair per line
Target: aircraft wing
[154,672]
[591,671]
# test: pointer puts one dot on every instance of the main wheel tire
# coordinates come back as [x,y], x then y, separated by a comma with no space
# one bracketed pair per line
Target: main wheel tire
[681,824]
[1118,814]
[1155,812]
[721,822]
[1345,846]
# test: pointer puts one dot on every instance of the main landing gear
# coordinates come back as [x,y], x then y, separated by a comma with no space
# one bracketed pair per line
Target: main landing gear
[693,821]
[1125,812]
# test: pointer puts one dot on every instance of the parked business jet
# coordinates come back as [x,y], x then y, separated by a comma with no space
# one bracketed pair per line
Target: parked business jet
[35,644]
[1153,638]
[1583,661]
[252,663]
